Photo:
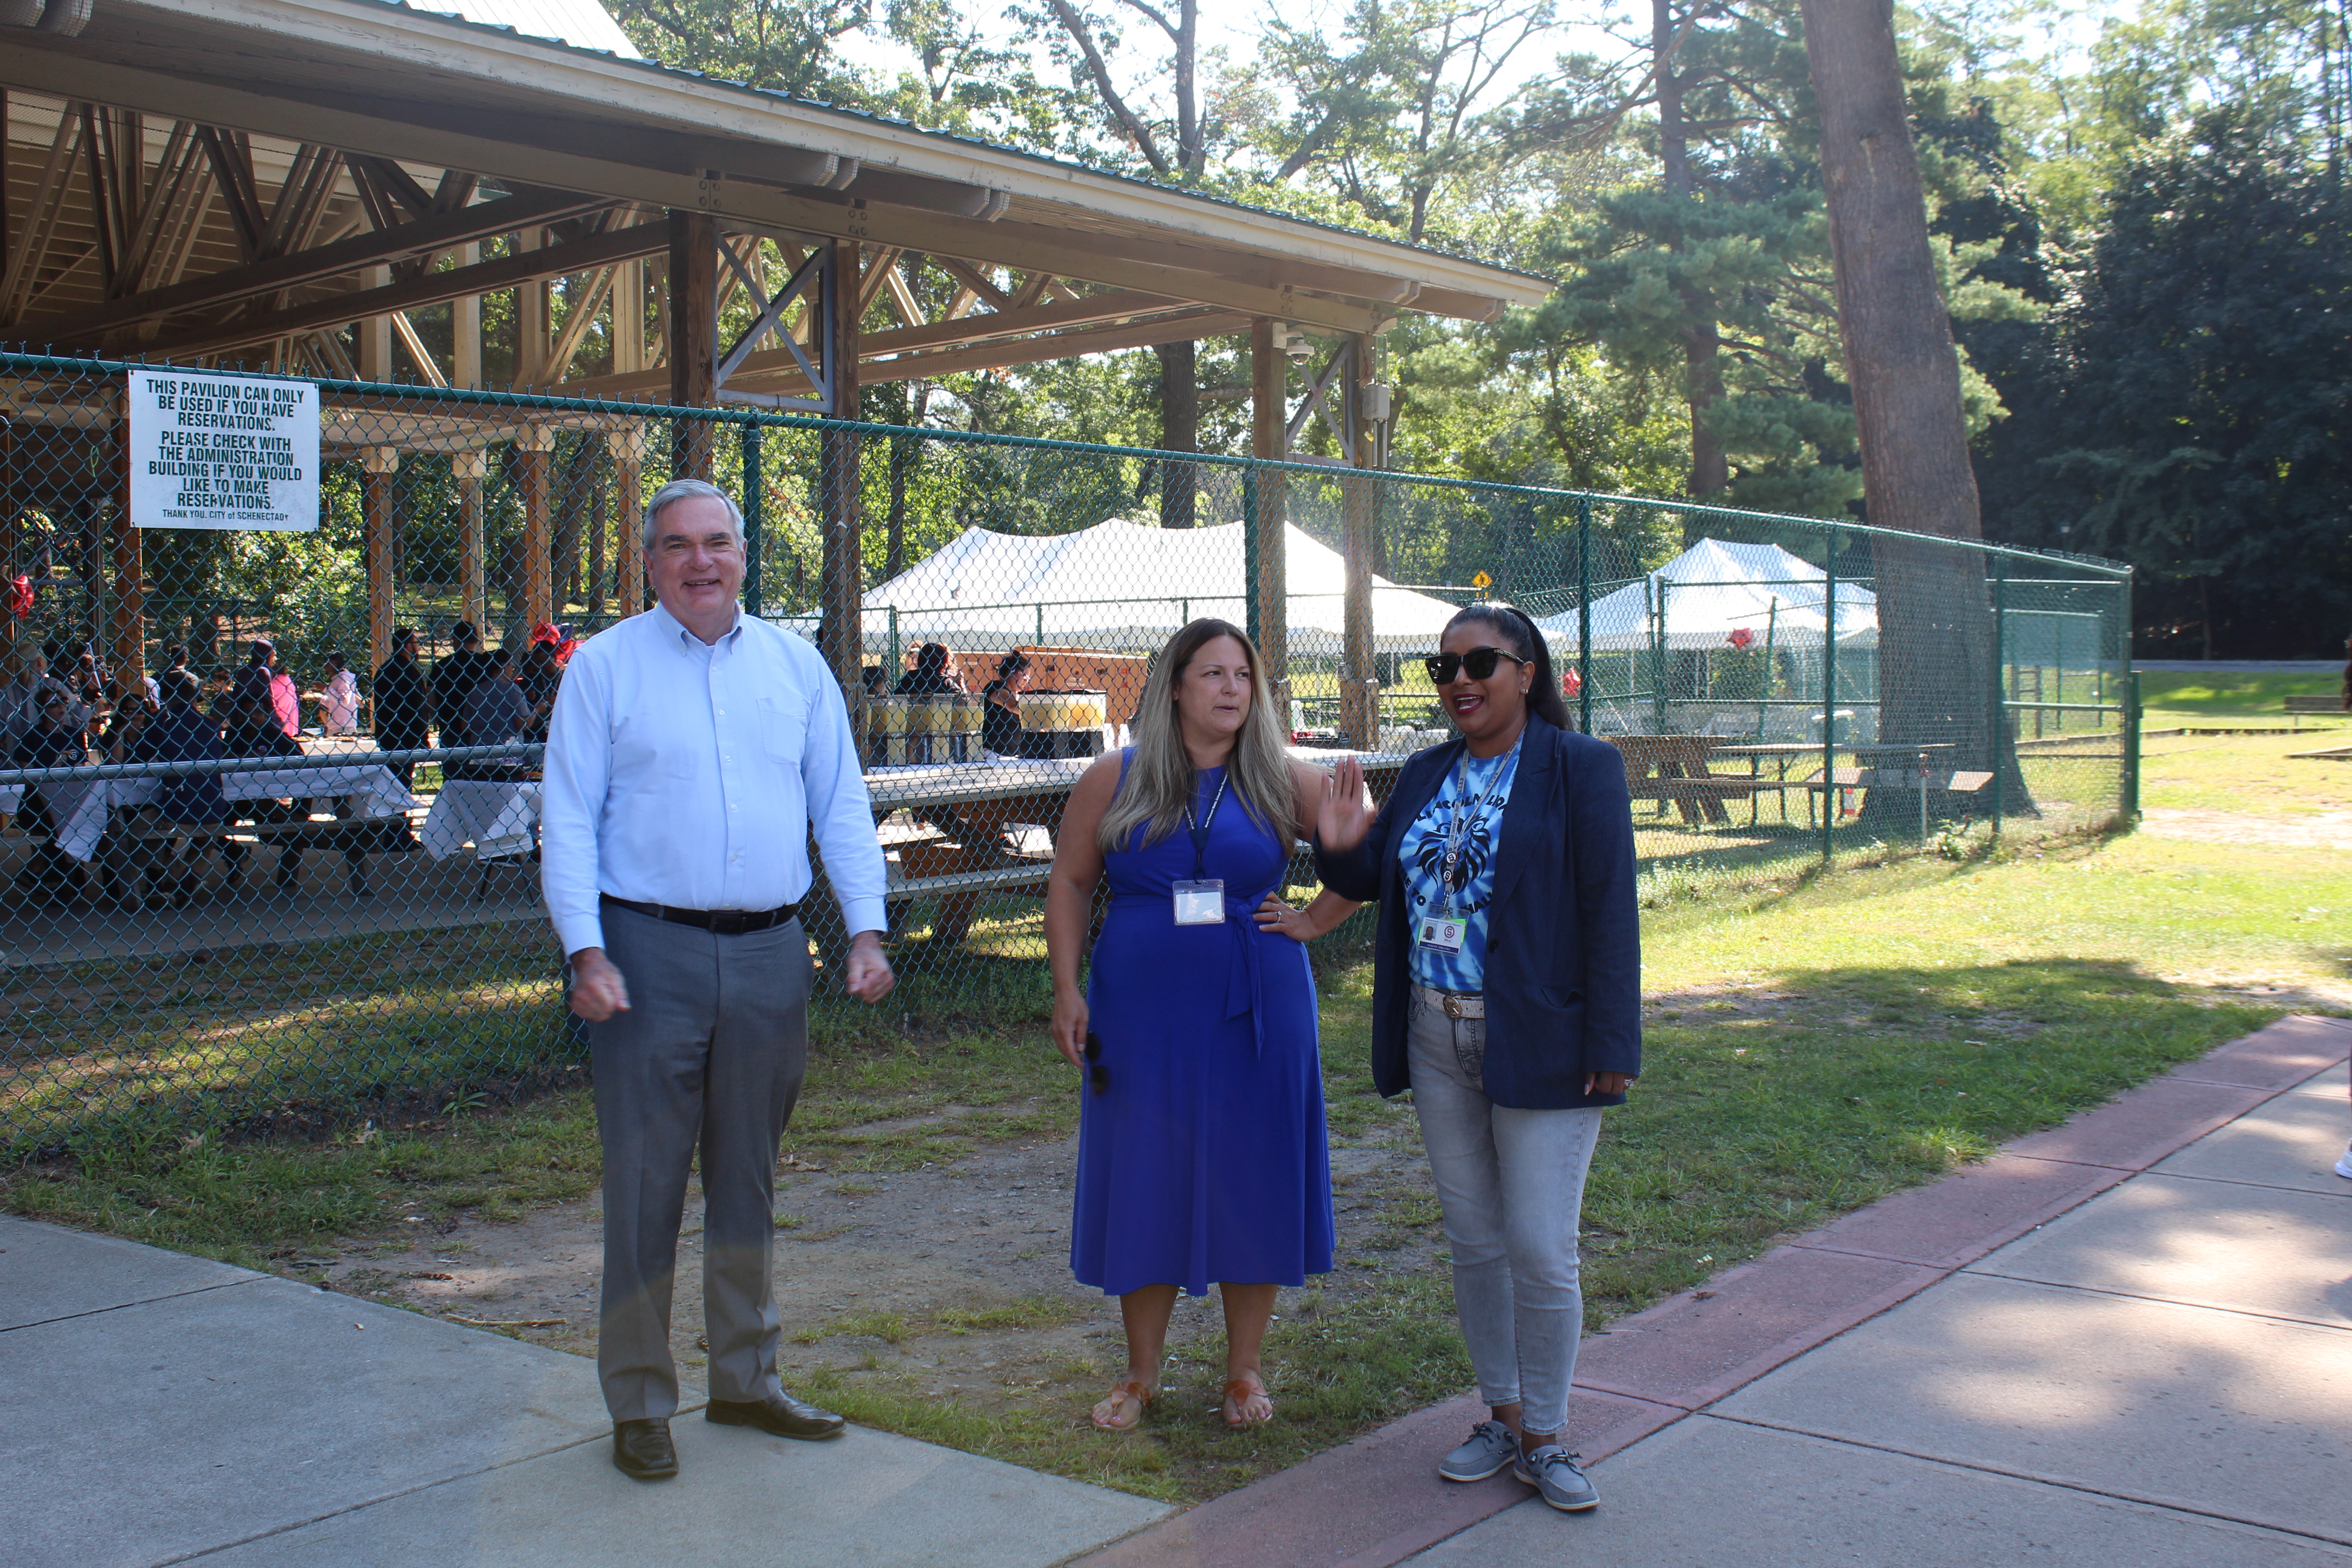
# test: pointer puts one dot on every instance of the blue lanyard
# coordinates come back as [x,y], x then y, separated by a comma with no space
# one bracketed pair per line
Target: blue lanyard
[1458,827]
[1199,829]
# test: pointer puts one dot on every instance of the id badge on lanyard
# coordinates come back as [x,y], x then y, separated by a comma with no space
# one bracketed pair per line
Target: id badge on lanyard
[1201,900]
[1442,933]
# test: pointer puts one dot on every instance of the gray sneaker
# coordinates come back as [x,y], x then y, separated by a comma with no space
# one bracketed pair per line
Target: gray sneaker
[1559,1476]
[1489,1452]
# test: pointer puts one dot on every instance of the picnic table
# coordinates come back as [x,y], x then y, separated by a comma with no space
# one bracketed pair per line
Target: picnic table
[984,828]
[1780,753]
[1673,768]
[83,808]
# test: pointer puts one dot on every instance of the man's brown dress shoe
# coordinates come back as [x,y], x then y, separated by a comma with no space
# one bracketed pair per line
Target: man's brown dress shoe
[779,1413]
[643,1451]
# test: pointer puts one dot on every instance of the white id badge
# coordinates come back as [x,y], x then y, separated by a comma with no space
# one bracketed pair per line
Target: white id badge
[1200,904]
[1442,933]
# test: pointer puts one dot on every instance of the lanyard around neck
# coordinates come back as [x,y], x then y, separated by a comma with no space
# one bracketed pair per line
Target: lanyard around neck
[1199,829]
[1458,829]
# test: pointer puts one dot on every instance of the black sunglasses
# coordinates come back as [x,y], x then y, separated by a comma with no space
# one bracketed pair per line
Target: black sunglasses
[1098,1075]
[1479,662]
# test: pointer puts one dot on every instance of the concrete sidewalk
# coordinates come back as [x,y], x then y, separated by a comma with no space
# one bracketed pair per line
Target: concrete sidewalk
[2124,1342]
[157,1408]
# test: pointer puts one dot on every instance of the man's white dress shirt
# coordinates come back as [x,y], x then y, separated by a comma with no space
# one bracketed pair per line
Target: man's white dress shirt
[690,774]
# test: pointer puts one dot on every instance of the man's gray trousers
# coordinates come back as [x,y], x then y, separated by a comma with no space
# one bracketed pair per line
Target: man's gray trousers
[711,1051]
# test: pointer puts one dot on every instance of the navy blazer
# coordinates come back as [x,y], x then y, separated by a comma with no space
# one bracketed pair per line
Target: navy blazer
[1563,939]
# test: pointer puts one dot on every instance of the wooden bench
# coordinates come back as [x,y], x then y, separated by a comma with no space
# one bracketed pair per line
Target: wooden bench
[2298,705]
[1949,781]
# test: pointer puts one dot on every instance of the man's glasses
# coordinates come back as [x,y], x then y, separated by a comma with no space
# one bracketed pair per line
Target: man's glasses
[1478,664]
[1098,1075]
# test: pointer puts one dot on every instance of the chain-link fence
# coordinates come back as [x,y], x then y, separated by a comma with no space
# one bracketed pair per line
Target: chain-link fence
[282,896]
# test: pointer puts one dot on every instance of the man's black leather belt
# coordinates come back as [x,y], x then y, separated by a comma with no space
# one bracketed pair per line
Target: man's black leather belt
[722,922]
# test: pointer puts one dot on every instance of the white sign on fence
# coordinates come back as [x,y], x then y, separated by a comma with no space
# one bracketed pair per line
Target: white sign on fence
[222,451]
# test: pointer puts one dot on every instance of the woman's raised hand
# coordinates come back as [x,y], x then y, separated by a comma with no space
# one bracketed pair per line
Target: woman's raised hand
[1345,814]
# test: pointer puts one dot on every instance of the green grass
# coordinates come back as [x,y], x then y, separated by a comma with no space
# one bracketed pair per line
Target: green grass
[1814,1041]
[2175,697]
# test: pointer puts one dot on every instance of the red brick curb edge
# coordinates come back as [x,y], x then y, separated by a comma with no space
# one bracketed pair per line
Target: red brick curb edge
[1376,1500]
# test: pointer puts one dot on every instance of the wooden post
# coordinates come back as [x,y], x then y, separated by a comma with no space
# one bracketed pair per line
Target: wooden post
[842,591]
[1359,523]
[374,334]
[470,470]
[466,330]
[693,337]
[628,317]
[628,449]
[534,455]
[1269,561]
[532,317]
[127,609]
[11,515]
[377,465]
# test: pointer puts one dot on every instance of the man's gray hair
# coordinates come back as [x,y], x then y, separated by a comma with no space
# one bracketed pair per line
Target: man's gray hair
[681,489]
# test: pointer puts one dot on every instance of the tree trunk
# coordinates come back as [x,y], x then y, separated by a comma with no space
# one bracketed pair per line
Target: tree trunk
[1180,429]
[1934,622]
[1710,469]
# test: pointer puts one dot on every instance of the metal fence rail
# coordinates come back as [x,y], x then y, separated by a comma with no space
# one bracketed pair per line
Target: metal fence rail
[362,923]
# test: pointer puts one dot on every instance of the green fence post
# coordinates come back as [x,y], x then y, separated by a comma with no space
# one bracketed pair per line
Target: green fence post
[896,654]
[1253,611]
[1829,696]
[1584,613]
[754,495]
[2131,749]
[2000,714]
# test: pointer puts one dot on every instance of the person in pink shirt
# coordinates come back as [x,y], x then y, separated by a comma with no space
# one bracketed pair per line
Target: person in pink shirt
[285,697]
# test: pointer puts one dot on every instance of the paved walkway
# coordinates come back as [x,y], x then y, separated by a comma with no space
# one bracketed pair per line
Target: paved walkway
[156,1408]
[2127,1341]
[2124,1342]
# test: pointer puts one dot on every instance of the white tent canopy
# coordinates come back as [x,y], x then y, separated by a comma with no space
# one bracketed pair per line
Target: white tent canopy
[1127,585]
[1698,600]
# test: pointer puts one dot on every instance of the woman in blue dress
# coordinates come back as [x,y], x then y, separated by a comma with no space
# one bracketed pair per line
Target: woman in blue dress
[1202,1154]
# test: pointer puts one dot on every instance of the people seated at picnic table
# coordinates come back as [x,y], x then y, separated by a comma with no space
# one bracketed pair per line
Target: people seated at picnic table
[495,712]
[930,677]
[543,675]
[54,741]
[191,803]
[338,698]
[1000,710]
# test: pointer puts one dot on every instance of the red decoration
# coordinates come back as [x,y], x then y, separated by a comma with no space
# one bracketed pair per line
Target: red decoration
[20,596]
[1571,683]
[1741,636]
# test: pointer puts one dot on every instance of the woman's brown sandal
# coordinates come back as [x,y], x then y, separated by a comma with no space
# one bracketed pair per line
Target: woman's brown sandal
[1128,1391]
[1240,1394]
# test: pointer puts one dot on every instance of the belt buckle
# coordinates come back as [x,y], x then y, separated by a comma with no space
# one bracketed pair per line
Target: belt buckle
[1453,1005]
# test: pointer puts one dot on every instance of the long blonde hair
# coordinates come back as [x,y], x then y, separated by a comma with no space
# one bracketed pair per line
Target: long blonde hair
[1161,781]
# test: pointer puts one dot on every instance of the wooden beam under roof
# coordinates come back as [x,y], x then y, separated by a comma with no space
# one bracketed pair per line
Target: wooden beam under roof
[1202,322]
[433,288]
[268,277]
[963,331]
[1027,246]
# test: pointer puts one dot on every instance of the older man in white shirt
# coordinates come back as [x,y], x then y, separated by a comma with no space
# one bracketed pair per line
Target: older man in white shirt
[691,752]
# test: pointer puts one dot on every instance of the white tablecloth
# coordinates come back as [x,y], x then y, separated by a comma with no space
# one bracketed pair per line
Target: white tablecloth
[496,815]
[374,790]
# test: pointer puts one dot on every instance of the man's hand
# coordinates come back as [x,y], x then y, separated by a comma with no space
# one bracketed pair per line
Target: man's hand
[868,974]
[597,989]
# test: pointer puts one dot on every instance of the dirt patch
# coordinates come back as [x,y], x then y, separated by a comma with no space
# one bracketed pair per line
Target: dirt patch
[2313,830]
[957,1275]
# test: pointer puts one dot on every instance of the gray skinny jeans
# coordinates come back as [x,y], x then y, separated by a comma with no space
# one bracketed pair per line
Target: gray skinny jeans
[1511,1183]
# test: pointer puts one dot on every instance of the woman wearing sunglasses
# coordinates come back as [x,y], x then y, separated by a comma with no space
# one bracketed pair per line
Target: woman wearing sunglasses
[1507,997]
[1202,1154]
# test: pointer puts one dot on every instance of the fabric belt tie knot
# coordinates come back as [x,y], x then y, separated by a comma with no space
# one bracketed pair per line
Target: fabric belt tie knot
[1245,990]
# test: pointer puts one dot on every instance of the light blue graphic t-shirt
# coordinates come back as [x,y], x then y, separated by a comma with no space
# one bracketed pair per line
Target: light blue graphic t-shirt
[1469,805]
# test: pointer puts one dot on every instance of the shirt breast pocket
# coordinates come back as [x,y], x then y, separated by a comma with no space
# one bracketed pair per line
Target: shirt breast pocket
[783,727]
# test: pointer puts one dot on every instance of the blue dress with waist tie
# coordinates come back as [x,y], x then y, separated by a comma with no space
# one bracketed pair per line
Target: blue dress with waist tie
[1204,1159]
